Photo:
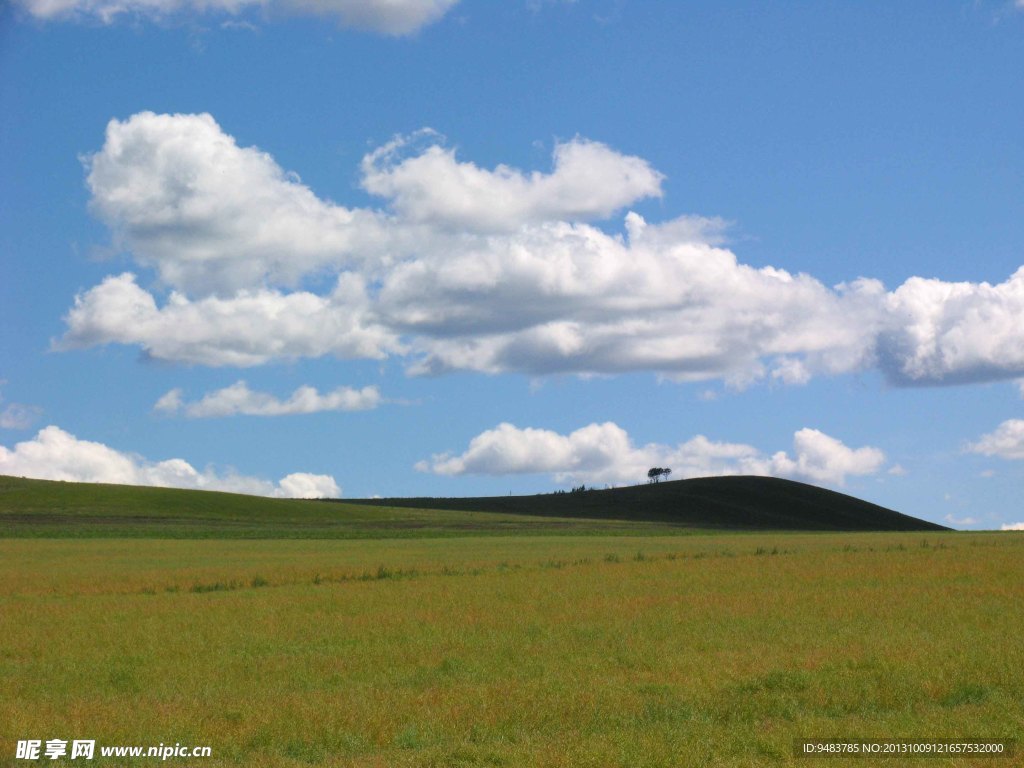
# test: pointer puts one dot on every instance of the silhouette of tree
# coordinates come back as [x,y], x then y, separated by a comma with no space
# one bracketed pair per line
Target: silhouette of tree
[654,474]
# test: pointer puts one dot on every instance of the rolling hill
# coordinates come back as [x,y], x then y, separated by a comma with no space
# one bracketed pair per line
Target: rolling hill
[47,508]
[50,509]
[750,503]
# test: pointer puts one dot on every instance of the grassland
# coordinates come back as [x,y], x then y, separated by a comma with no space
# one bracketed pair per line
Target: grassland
[513,651]
[285,634]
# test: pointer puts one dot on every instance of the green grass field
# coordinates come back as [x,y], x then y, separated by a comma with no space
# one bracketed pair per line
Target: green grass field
[511,650]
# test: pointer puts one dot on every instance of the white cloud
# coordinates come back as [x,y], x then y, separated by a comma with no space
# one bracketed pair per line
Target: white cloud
[960,520]
[604,453]
[1006,442]
[249,328]
[950,332]
[1012,527]
[823,459]
[57,455]
[17,415]
[791,371]
[492,270]
[303,485]
[390,17]
[239,399]
[561,297]
[208,215]
[169,402]
[589,181]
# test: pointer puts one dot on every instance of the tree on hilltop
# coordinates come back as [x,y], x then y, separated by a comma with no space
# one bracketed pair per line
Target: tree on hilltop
[654,474]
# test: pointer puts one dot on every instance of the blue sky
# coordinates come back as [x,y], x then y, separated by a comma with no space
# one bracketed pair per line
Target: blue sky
[455,247]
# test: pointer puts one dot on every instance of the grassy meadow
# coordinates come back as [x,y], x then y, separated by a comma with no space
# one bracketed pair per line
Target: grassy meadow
[541,650]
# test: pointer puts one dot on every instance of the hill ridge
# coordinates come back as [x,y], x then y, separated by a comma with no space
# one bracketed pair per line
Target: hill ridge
[735,501]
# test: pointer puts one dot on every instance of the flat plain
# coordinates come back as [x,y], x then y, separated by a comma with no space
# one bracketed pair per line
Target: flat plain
[547,649]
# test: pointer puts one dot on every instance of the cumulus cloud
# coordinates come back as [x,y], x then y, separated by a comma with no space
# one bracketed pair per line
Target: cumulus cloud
[823,459]
[949,332]
[489,269]
[389,17]
[604,453]
[1012,527]
[239,399]
[1006,442]
[57,455]
[589,181]
[303,485]
[562,297]
[248,328]
[183,198]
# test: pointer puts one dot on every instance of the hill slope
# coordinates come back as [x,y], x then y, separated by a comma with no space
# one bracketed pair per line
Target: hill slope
[756,503]
[45,508]
[58,509]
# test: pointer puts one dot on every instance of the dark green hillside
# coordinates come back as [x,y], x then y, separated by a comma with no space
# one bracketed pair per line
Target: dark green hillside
[710,502]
